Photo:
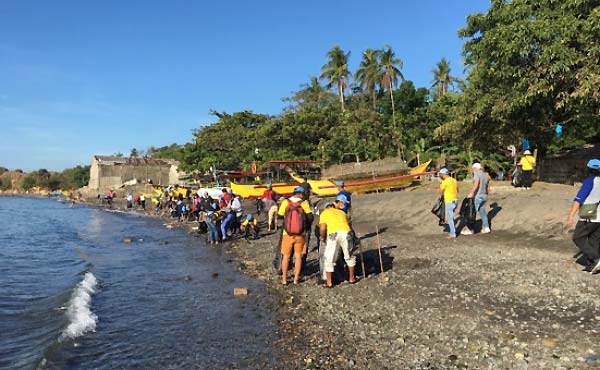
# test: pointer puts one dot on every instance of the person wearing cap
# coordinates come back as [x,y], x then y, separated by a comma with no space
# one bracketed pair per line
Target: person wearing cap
[479,194]
[587,231]
[334,230]
[527,165]
[294,244]
[342,191]
[449,189]
[250,225]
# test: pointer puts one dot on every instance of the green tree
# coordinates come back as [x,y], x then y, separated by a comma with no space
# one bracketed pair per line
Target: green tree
[336,72]
[134,153]
[532,64]
[442,78]
[28,182]
[391,66]
[310,97]
[369,74]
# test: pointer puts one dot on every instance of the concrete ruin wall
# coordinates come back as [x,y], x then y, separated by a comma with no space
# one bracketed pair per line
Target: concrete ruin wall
[114,175]
[380,167]
[568,167]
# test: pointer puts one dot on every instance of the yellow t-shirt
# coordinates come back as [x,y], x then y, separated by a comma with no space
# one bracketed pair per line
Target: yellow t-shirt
[281,212]
[450,188]
[528,162]
[335,219]
[253,222]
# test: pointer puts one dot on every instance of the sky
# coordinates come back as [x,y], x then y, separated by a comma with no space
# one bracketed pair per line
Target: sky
[79,78]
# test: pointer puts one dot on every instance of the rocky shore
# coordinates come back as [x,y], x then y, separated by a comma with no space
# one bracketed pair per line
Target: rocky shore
[512,299]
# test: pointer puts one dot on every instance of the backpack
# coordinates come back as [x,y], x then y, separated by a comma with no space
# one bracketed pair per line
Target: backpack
[294,219]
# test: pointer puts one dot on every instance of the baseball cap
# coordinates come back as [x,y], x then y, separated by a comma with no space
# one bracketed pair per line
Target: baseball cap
[527,152]
[269,186]
[594,164]
[342,198]
[249,216]
[298,189]
[328,204]
[476,165]
[339,183]
[444,171]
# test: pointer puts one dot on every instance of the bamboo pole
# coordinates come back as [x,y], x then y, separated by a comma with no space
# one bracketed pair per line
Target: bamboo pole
[362,259]
[379,248]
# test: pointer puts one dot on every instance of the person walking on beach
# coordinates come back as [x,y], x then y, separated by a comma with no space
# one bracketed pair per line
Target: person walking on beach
[527,165]
[296,213]
[449,189]
[342,191]
[587,231]
[334,230]
[479,194]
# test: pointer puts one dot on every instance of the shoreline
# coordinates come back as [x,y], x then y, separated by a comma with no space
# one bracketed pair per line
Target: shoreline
[509,299]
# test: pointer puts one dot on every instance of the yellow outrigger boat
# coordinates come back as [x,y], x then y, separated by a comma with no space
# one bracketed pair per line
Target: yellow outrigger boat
[327,188]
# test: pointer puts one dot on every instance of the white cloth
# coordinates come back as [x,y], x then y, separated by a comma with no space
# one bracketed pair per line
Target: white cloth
[335,241]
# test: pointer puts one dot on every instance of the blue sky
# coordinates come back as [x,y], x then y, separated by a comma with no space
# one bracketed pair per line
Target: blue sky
[79,78]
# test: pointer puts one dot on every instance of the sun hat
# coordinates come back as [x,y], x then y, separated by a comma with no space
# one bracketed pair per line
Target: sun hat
[298,189]
[342,198]
[526,152]
[339,183]
[594,164]
[477,165]
[444,171]
[249,216]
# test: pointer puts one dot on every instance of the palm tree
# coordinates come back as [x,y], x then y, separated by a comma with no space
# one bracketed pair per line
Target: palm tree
[369,73]
[442,78]
[391,67]
[312,93]
[336,71]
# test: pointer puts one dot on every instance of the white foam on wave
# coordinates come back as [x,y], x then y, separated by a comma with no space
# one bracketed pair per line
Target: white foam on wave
[81,317]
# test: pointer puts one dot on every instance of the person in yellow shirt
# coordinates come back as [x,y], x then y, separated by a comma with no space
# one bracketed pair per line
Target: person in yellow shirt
[250,225]
[334,226]
[449,189]
[527,165]
[297,216]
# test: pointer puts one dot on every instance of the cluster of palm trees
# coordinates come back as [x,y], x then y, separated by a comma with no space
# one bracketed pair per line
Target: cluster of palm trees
[378,73]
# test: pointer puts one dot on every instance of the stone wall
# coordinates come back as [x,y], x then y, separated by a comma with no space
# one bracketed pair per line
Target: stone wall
[380,167]
[567,167]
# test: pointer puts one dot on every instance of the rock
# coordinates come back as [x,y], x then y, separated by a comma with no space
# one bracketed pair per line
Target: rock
[238,292]
[214,275]
[548,342]
[519,356]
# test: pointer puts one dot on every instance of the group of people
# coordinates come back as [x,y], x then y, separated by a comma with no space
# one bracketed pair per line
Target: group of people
[333,230]
[478,196]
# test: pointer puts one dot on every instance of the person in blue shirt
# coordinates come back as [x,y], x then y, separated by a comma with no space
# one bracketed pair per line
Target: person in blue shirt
[587,231]
[344,192]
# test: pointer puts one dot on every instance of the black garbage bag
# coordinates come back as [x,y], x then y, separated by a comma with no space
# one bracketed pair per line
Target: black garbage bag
[468,213]
[439,210]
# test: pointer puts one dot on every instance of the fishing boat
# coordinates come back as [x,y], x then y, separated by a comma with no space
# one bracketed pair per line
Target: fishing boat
[327,188]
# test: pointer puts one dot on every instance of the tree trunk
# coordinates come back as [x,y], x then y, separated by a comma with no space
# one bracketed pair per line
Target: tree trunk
[400,151]
[341,92]
[373,97]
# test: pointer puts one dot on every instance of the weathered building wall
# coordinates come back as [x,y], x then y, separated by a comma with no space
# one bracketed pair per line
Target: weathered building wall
[379,167]
[567,167]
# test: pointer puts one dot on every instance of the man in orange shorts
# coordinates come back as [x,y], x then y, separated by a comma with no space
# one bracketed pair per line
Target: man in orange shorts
[297,216]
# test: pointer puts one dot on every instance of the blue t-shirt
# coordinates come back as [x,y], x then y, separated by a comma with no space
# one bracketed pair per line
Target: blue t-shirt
[349,197]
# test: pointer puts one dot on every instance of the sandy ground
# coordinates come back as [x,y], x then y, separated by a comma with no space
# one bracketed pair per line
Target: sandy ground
[512,299]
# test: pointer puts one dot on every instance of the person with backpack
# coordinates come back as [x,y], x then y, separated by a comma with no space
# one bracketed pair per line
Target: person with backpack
[297,214]
[334,230]
[527,165]
[479,194]
[587,231]
[449,189]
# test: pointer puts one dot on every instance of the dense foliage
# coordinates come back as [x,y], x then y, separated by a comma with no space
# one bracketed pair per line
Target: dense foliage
[69,179]
[531,64]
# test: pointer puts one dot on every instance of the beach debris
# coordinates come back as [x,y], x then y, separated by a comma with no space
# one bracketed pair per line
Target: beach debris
[239,292]
[214,275]
[169,226]
[184,278]
[127,241]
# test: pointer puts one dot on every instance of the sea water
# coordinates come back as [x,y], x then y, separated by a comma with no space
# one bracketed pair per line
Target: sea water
[73,295]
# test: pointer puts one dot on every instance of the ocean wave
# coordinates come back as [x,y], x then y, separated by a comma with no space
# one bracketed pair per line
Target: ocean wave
[81,317]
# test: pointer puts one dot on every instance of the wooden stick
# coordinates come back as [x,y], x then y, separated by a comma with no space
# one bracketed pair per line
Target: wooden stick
[379,248]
